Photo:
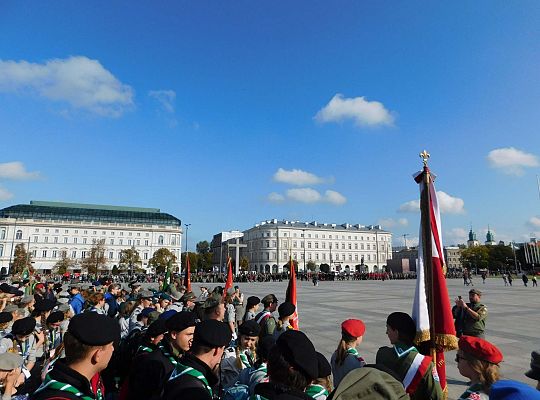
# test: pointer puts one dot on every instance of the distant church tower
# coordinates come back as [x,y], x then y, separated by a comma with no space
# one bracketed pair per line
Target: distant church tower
[490,239]
[472,242]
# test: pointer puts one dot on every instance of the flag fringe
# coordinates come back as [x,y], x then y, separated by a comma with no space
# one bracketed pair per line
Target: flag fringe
[446,342]
[422,336]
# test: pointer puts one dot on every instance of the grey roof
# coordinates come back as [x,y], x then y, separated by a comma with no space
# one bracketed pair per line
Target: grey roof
[273,223]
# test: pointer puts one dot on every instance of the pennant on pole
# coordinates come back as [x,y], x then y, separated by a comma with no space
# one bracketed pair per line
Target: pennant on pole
[290,295]
[187,274]
[229,282]
[431,307]
[167,280]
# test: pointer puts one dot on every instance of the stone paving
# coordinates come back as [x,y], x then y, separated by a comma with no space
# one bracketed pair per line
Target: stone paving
[513,321]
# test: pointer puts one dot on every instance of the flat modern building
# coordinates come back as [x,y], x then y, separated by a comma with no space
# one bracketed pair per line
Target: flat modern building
[221,247]
[330,247]
[51,229]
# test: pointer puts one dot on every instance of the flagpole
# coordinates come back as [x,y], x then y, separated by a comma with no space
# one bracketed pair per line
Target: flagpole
[428,250]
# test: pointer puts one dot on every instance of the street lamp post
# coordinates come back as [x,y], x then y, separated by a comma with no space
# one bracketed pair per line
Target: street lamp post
[187,229]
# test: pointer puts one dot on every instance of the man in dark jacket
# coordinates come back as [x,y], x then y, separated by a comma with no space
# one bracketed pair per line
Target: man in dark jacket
[113,291]
[196,372]
[89,344]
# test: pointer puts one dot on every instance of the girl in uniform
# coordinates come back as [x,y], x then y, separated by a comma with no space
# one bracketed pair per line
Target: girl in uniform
[321,387]
[346,357]
[478,360]
[285,311]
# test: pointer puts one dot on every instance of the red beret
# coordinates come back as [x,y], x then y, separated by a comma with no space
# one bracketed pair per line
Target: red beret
[480,348]
[353,327]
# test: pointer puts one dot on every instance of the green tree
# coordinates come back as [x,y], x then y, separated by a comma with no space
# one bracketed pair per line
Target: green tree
[193,261]
[311,265]
[500,256]
[160,259]
[129,258]
[95,258]
[64,264]
[203,247]
[475,257]
[21,260]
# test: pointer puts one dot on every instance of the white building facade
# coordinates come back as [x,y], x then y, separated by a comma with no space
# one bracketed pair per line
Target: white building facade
[330,247]
[50,229]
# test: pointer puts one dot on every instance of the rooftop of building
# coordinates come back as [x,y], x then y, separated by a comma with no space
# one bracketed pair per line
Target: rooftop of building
[272,223]
[49,210]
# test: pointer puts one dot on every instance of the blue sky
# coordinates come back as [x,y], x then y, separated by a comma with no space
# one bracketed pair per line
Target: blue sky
[226,114]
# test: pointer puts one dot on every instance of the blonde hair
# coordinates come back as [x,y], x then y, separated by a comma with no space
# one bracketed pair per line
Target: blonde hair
[343,346]
[326,382]
[488,373]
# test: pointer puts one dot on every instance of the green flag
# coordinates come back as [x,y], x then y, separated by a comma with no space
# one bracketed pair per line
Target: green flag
[167,280]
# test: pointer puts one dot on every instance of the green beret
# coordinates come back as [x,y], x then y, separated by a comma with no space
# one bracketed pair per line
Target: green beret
[94,329]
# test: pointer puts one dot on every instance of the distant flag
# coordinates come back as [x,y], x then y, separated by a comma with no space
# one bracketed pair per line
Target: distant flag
[187,276]
[290,296]
[431,306]
[229,282]
[167,280]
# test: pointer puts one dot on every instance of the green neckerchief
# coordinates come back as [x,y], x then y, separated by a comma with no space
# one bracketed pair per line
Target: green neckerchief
[245,359]
[144,349]
[316,391]
[402,349]
[353,351]
[475,388]
[182,369]
[171,358]
[49,383]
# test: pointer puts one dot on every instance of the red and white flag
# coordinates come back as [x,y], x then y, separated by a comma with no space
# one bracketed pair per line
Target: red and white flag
[229,282]
[290,295]
[431,307]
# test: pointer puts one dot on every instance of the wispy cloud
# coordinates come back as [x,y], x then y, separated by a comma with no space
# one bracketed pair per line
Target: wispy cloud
[298,177]
[15,170]
[391,222]
[165,98]
[512,161]
[455,236]
[275,198]
[358,109]
[534,222]
[5,194]
[447,204]
[308,196]
[81,82]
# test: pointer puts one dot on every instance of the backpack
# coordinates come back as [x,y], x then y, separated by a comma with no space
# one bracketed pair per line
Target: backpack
[238,391]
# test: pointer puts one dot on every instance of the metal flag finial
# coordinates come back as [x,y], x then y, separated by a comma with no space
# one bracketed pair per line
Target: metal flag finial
[425,157]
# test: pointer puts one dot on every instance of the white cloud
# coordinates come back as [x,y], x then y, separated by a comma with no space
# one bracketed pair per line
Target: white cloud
[79,81]
[276,198]
[512,161]
[165,98]
[456,236]
[447,204]
[298,177]
[15,170]
[4,194]
[391,223]
[363,112]
[333,197]
[304,195]
[534,222]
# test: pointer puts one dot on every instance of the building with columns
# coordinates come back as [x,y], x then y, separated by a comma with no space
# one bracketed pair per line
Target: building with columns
[331,247]
[50,229]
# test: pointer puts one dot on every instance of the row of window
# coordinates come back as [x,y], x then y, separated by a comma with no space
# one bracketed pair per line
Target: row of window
[82,254]
[320,256]
[323,236]
[315,245]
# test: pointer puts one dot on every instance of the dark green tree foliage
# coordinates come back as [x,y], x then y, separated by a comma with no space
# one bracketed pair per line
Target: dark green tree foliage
[160,259]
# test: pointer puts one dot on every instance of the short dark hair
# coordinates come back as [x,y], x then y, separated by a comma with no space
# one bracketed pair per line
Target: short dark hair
[75,349]
[197,349]
[280,372]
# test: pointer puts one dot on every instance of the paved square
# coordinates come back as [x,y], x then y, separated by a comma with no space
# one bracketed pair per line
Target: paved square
[513,322]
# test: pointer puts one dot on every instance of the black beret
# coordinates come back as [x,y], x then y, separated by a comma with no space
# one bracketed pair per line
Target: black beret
[5,317]
[156,328]
[286,309]
[44,305]
[403,323]
[249,328]
[252,301]
[298,350]
[94,329]
[54,317]
[24,326]
[4,287]
[212,333]
[324,366]
[264,346]
[180,321]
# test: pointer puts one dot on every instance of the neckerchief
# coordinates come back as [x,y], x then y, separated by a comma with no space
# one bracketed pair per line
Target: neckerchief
[245,359]
[53,384]
[354,352]
[171,358]
[181,369]
[315,391]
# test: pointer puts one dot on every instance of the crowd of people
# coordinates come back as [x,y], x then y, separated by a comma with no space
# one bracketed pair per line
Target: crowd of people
[106,340]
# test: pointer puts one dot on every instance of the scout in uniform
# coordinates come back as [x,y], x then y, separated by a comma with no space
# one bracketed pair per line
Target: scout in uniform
[145,301]
[478,360]
[470,318]
[346,357]
[155,363]
[5,322]
[195,373]
[54,333]
[89,345]
[251,377]
[10,371]
[265,318]
[213,308]
[242,356]
[292,366]
[252,306]
[321,387]
[188,301]
[415,371]
[285,311]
